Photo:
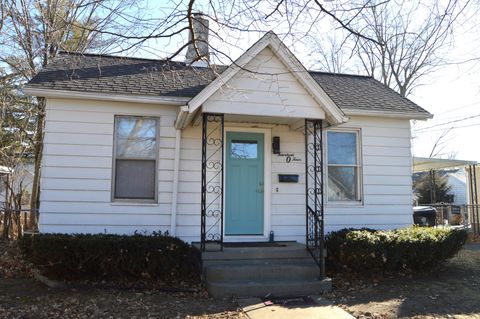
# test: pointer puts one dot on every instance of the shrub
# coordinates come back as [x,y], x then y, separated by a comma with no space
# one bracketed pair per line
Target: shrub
[370,251]
[157,257]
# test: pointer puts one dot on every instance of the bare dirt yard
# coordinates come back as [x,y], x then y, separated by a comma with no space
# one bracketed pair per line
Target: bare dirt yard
[452,291]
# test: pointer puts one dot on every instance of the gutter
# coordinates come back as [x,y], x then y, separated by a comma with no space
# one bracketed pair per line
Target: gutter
[390,114]
[149,99]
[176,169]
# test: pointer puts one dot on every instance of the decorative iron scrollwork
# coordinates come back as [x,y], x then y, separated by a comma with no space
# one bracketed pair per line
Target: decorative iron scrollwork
[212,181]
[314,197]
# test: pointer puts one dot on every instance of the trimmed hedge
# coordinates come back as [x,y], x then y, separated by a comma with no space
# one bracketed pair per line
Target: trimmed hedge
[157,257]
[415,248]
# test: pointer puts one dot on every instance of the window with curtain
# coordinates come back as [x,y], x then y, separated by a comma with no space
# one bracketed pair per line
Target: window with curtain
[135,158]
[343,166]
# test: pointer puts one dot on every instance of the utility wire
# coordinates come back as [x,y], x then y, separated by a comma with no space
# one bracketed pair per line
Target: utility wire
[450,128]
[449,122]
[461,107]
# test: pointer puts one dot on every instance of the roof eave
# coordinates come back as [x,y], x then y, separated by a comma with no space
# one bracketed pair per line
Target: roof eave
[390,114]
[148,99]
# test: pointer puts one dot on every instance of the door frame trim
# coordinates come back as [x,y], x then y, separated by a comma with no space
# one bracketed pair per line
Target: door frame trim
[267,191]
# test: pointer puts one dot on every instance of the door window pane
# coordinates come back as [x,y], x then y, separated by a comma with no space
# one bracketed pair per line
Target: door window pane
[342,148]
[244,149]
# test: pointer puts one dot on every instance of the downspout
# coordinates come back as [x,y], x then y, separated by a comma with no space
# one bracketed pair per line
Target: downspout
[176,165]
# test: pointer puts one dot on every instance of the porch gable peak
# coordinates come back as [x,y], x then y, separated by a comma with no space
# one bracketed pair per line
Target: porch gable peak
[333,114]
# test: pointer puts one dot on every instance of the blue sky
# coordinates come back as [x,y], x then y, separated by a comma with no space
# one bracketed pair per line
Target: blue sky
[452,93]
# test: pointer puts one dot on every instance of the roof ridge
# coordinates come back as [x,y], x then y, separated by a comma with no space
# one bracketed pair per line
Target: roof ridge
[341,74]
[183,63]
[103,55]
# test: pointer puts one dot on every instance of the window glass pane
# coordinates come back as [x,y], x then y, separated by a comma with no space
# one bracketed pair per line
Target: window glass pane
[136,137]
[342,148]
[135,179]
[244,149]
[342,183]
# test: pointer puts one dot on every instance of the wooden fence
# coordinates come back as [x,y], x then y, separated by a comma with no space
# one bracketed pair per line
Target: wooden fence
[14,222]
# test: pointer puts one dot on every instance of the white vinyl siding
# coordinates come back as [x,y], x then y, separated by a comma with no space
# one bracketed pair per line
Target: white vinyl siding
[266,89]
[77,169]
[386,177]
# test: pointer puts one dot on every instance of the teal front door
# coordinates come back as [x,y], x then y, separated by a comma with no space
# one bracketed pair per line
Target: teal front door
[244,184]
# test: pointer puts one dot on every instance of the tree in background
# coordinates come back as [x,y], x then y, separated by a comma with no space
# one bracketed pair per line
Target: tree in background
[432,188]
[32,33]
[17,120]
[411,40]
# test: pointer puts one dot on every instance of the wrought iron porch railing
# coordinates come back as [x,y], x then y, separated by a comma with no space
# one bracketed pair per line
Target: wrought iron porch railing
[212,182]
[314,199]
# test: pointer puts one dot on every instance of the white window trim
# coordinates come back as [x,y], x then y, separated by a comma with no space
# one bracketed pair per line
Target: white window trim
[114,200]
[360,195]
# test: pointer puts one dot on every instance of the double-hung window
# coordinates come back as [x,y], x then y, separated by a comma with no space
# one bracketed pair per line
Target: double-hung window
[135,158]
[343,166]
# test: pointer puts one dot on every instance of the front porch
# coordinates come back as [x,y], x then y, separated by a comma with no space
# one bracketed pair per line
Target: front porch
[242,261]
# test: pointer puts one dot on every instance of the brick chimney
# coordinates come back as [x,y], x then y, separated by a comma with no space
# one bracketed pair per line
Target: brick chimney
[200,29]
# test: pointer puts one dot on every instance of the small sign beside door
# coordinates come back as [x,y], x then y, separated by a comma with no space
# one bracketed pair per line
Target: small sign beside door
[290,157]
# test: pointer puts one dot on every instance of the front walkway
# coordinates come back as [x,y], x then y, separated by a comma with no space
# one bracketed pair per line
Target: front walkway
[294,308]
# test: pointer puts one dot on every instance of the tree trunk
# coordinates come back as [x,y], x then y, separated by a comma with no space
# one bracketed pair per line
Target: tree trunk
[38,149]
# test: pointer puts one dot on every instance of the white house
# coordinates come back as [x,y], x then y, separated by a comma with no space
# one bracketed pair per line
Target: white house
[225,154]
[123,143]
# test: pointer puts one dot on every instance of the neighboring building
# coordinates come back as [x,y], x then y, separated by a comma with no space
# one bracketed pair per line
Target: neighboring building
[457,179]
[456,172]
[124,141]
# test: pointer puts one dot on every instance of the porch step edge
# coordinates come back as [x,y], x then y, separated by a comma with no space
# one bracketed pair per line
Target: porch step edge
[307,270]
[241,288]
[234,254]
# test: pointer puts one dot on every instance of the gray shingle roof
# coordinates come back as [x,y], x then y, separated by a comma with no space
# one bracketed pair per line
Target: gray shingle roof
[363,92]
[120,75]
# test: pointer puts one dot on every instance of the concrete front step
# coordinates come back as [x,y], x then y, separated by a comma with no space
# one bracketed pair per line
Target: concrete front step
[289,251]
[260,261]
[282,269]
[267,270]
[242,288]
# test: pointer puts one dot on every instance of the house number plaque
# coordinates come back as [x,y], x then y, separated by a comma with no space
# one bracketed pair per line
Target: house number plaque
[290,157]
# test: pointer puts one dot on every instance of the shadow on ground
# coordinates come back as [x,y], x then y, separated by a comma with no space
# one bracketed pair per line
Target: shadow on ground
[26,298]
[453,290]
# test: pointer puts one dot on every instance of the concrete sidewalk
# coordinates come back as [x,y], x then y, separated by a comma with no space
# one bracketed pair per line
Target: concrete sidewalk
[319,308]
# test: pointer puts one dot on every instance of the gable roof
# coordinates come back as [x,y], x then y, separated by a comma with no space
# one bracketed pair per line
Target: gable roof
[333,113]
[157,81]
